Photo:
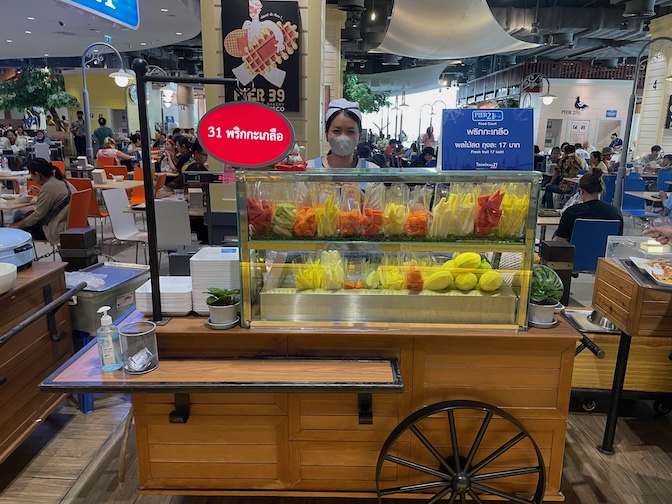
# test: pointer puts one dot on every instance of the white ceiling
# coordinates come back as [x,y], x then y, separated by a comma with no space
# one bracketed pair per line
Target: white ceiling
[446,30]
[411,80]
[81,28]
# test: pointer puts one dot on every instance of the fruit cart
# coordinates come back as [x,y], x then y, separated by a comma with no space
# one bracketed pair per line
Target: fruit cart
[384,387]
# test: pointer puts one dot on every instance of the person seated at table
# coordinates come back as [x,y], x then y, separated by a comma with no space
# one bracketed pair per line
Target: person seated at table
[184,153]
[651,160]
[50,121]
[40,137]
[50,216]
[109,150]
[21,138]
[197,156]
[591,207]
[424,158]
[8,142]
[168,158]
[596,161]
[134,149]
[160,142]
[610,158]
[539,160]
[568,167]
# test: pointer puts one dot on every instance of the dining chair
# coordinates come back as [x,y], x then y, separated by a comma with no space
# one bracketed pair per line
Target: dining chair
[589,238]
[103,162]
[137,193]
[160,182]
[609,188]
[60,165]
[123,224]
[664,176]
[634,205]
[79,209]
[172,225]
[94,211]
[116,170]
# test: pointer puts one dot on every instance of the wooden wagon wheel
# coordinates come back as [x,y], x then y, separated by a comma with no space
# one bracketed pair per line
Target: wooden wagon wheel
[460,471]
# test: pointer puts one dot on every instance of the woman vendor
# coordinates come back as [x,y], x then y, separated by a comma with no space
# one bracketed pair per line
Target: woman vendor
[50,216]
[590,187]
[343,130]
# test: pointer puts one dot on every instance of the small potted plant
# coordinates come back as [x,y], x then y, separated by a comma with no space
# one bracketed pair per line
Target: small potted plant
[223,305]
[545,290]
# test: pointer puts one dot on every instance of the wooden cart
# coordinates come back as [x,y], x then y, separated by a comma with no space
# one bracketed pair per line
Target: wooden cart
[478,415]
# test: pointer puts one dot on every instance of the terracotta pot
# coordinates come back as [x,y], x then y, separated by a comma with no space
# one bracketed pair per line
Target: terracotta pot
[542,313]
[224,314]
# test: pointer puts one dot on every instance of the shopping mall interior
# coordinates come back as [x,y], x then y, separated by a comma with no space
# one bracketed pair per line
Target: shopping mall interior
[387,341]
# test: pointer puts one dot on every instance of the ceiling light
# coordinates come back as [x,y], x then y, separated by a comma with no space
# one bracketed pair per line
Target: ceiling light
[46,54]
[31,18]
[28,32]
[167,99]
[164,10]
[548,98]
[9,41]
[121,77]
[143,43]
[178,33]
[167,91]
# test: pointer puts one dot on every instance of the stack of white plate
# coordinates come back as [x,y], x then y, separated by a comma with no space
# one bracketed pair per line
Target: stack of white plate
[175,296]
[213,267]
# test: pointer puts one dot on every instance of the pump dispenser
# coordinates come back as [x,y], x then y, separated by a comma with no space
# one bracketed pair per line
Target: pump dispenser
[109,349]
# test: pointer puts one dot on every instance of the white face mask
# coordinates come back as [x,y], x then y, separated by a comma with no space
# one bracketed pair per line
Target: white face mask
[343,145]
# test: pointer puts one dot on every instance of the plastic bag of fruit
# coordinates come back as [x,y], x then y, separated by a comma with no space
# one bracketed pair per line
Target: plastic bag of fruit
[305,225]
[418,217]
[284,209]
[350,214]
[460,210]
[515,207]
[259,208]
[394,214]
[488,209]
[374,205]
[327,209]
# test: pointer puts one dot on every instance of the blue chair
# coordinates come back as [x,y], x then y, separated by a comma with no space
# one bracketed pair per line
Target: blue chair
[589,238]
[663,177]
[609,188]
[633,205]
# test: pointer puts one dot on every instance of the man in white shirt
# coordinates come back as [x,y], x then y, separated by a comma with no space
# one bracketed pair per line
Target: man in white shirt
[651,158]
[587,146]
[581,152]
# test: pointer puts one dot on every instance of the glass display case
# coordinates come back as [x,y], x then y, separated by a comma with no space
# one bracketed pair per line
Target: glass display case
[386,248]
[624,247]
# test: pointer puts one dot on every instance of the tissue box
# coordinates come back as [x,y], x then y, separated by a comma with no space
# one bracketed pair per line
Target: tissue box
[99,176]
[195,198]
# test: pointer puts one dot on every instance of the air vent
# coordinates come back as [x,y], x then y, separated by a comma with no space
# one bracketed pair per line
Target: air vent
[351,5]
[566,39]
[66,33]
[639,9]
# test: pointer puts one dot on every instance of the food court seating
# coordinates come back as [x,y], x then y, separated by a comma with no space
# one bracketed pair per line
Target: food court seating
[609,188]
[102,162]
[589,238]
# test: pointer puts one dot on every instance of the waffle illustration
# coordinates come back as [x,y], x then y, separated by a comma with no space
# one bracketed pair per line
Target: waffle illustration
[236,42]
[261,55]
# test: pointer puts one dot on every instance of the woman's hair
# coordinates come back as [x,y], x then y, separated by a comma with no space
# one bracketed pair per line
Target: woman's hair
[196,166]
[592,182]
[347,113]
[184,142]
[134,138]
[102,121]
[109,143]
[44,168]
[40,131]
[597,155]
[429,131]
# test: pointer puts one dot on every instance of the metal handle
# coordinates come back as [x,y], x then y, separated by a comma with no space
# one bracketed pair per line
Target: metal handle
[47,309]
[3,379]
[586,342]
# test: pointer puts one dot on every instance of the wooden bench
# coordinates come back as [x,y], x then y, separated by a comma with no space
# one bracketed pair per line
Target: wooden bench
[259,375]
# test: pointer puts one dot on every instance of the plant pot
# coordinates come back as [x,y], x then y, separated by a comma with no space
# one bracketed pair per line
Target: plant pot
[542,313]
[221,315]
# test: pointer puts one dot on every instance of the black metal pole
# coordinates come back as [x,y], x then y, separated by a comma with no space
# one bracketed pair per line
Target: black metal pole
[616,393]
[140,68]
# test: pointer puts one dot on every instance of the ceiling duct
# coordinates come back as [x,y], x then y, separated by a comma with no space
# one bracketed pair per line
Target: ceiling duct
[609,63]
[639,9]
[374,38]
[566,39]
[391,59]
[351,32]
[351,5]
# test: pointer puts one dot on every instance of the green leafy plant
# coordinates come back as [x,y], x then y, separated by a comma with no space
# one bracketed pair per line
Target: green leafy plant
[36,88]
[508,103]
[547,287]
[356,90]
[222,297]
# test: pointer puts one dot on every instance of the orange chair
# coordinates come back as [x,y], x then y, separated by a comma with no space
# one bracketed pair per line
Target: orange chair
[79,209]
[160,182]
[102,162]
[116,170]
[60,165]
[138,194]
[82,184]
[29,184]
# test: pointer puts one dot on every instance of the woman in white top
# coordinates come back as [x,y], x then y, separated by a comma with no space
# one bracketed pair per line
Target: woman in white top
[21,138]
[596,161]
[109,150]
[343,129]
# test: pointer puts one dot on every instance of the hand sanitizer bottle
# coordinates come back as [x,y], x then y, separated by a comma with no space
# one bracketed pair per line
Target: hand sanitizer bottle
[109,349]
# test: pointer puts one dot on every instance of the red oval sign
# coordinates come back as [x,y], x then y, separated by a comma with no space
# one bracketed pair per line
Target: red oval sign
[246,134]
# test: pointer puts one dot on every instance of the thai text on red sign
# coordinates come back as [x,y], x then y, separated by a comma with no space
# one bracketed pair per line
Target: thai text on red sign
[246,134]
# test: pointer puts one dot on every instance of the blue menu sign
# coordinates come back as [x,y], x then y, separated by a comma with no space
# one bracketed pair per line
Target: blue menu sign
[611,113]
[487,139]
[123,12]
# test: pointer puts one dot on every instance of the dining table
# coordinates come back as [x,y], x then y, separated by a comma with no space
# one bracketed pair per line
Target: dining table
[651,196]
[122,184]
[12,204]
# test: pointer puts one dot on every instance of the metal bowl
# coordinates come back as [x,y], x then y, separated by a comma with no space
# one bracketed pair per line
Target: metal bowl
[601,321]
